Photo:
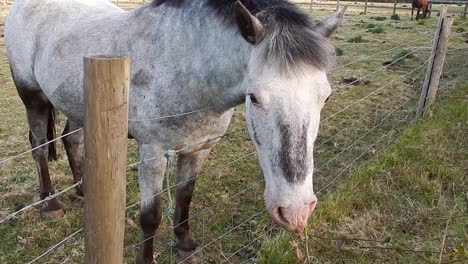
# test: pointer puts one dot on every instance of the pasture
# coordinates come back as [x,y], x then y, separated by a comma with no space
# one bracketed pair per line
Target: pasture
[405,203]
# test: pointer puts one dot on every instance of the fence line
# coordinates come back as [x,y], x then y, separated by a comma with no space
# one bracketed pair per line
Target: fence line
[338,175]
[378,70]
[213,107]
[361,137]
[362,117]
[378,53]
[246,246]
[45,200]
[370,94]
[55,246]
[40,146]
[223,235]
[128,207]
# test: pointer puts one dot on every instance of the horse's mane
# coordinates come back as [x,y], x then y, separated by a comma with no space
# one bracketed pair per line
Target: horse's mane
[289,36]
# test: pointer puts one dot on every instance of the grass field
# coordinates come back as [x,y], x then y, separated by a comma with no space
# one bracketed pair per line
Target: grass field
[403,204]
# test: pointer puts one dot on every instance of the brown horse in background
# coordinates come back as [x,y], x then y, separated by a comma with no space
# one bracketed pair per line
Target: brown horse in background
[419,4]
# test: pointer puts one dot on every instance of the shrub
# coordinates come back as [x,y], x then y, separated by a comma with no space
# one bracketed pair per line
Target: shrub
[379,18]
[395,17]
[357,39]
[407,54]
[338,51]
[376,30]
[400,57]
[370,25]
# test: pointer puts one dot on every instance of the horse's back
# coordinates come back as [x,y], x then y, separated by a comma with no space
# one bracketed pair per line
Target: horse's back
[32,25]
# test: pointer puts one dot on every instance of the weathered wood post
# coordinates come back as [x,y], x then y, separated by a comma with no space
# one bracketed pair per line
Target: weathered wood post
[436,62]
[465,11]
[311,4]
[106,82]
[365,7]
[394,6]
[429,9]
[337,5]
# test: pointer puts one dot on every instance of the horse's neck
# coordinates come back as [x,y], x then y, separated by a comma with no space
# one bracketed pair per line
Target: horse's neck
[201,58]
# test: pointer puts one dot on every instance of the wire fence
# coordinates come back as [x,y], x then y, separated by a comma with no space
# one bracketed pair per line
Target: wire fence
[373,117]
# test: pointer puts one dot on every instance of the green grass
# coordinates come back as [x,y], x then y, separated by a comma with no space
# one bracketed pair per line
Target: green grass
[397,207]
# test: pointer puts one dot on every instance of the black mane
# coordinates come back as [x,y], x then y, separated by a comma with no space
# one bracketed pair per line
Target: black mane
[289,33]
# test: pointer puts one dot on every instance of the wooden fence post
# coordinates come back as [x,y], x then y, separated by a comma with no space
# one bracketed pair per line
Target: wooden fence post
[436,62]
[464,11]
[106,82]
[394,7]
[311,4]
[337,5]
[365,7]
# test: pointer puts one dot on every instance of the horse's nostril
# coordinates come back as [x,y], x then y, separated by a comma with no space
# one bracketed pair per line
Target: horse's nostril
[312,205]
[281,215]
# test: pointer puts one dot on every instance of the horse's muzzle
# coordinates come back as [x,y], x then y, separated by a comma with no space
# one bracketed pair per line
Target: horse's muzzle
[293,219]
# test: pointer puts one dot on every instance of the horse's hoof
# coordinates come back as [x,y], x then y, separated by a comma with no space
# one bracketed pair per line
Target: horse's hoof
[141,260]
[52,214]
[79,192]
[75,198]
[52,209]
[188,256]
[186,245]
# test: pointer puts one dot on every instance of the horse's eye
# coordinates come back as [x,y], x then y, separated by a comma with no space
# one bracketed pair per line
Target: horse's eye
[253,99]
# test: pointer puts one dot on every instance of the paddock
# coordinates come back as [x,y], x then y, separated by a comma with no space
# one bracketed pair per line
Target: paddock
[381,66]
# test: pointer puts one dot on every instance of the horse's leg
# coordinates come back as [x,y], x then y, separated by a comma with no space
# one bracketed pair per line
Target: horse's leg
[417,14]
[150,176]
[187,168]
[74,146]
[40,117]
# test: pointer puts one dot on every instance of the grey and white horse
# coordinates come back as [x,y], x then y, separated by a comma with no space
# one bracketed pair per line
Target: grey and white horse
[185,56]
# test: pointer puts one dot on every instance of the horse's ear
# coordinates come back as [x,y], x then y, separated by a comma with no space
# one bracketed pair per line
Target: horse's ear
[249,26]
[329,25]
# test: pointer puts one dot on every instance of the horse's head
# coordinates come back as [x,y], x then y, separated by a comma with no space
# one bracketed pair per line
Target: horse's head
[287,88]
